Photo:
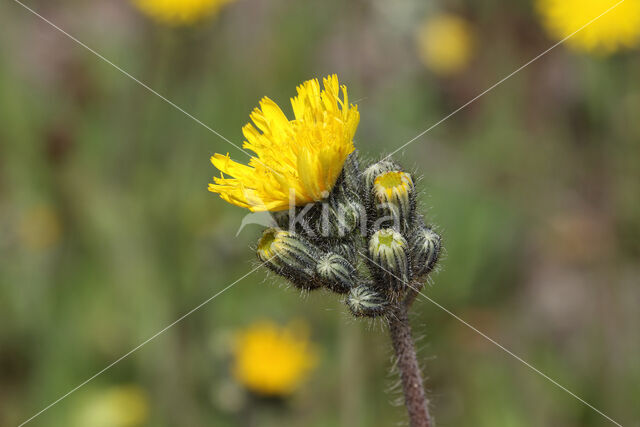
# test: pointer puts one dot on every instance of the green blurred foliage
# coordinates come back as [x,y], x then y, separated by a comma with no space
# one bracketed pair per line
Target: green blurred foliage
[108,234]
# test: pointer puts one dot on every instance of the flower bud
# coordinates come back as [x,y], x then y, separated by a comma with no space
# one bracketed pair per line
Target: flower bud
[289,255]
[345,217]
[425,249]
[281,218]
[394,199]
[351,174]
[334,218]
[371,173]
[336,273]
[389,262]
[347,249]
[365,301]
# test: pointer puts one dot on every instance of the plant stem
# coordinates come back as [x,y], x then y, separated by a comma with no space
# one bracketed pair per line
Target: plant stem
[413,292]
[414,395]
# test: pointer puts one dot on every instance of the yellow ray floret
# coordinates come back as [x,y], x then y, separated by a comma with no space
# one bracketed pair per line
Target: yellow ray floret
[617,29]
[297,159]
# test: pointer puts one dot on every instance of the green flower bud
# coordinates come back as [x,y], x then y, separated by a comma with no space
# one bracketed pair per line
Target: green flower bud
[289,255]
[347,249]
[351,175]
[335,218]
[345,217]
[281,218]
[389,262]
[336,273]
[364,301]
[425,249]
[394,198]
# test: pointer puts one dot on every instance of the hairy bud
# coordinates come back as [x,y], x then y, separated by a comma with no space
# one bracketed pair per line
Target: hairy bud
[394,198]
[336,273]
[364,301]
[389,261]
[347,249]
[351,174]
[345,217]
[372,172]
[289,255]
[425,249]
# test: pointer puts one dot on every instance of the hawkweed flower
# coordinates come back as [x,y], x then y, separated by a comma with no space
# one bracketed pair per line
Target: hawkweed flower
[300,158]
[272,360]
[180,12]
[119,406]
[355,232]
[445,44]
[615,30]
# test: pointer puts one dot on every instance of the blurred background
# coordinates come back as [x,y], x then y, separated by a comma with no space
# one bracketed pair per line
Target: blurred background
[108,233]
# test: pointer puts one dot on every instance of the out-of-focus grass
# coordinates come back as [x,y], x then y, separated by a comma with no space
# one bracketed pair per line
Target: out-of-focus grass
[108,233]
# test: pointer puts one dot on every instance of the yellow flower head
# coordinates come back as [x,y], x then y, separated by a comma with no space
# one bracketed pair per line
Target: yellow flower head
[617,29]
[272,360]
[297,159]
[121,406]
[180,12]
[445,44]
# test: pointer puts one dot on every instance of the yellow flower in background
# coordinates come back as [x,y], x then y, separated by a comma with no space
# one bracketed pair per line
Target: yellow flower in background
[302,157]
[445,44]
[180,12]
[39,227]
[617,29]
[271,360]
[120,406]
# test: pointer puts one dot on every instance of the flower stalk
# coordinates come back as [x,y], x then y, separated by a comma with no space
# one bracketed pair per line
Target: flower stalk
[407,364]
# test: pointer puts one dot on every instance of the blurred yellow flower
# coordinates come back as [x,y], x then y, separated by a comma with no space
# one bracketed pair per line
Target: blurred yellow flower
[39,227]
[120,406]
[302,157]
[272,360]
[180,12]
[445,44]
[617,29]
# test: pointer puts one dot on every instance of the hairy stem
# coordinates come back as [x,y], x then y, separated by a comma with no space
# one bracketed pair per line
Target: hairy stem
[414,290]
[414,395]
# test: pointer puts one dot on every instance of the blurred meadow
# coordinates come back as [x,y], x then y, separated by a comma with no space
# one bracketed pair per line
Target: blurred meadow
[108,233]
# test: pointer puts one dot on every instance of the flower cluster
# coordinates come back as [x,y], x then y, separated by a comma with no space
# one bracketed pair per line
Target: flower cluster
[365,241]
[353,231]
